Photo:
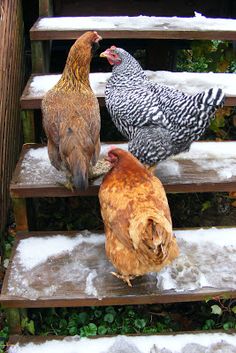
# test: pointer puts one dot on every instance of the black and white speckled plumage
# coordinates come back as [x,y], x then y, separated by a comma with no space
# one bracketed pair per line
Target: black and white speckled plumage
[158,121]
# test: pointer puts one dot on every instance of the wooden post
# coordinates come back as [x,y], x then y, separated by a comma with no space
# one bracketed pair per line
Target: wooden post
[45,8]
[27,117]
[40,55]
[41,50]
[20,212]
[14,320]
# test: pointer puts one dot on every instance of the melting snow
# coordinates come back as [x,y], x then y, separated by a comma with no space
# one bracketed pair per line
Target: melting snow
[90,289]
[37,169]
[218,157]
[203,261]
[35,251]
[179,343]
[187,82]
[208,150]
[138,23]
[45,266]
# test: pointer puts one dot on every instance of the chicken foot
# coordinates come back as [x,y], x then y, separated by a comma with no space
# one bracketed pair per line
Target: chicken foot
[125,278]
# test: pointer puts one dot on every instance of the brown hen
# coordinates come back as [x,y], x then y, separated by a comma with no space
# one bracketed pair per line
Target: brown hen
[136,215]
[71,116]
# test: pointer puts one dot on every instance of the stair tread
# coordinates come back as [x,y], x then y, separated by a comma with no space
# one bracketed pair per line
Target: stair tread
[171,342]
[71,269]
[149,27]
[208,166]
[188,82]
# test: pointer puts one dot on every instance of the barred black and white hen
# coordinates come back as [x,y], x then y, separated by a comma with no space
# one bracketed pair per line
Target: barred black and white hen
[157,120]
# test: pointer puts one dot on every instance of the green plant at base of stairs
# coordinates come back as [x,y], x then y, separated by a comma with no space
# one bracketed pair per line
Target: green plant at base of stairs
[141,319]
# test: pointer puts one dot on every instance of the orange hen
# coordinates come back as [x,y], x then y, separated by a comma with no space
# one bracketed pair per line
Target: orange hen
[71,116]
[136,215]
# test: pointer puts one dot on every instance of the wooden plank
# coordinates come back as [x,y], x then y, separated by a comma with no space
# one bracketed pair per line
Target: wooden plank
[121,27]
[34,91]
[81,276]
[181,174]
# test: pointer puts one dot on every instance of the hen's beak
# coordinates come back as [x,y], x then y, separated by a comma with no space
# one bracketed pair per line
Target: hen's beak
[103,54]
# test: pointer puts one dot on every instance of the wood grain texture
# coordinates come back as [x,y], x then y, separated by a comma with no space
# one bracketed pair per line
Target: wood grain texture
[162,30]
[31,99]
[112,291]
[11,75]
[192,178]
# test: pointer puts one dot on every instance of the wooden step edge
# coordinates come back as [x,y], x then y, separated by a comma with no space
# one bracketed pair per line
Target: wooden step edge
[192,178]
[31,100]
[161,29]
[115,292]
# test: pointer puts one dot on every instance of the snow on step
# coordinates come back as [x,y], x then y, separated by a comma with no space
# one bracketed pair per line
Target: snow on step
[196,23]
[216,159]
[59,266]
[178,343]
[187,82]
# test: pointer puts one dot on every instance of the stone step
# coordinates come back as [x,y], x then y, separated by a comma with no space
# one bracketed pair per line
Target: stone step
[62,269]
[139,27]
[207,167]
[188,82]
[176,342]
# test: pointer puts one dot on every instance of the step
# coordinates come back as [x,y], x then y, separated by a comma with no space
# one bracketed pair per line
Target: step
[188,82]
[176,342]
[207,167]
[57,269]
[143,27]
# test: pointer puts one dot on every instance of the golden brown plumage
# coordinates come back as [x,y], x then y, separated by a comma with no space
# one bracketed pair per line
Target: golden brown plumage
[71,116]
[136,215]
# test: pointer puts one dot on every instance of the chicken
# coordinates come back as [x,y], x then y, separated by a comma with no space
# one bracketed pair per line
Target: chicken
[71,116]
[157,120]
[136,215]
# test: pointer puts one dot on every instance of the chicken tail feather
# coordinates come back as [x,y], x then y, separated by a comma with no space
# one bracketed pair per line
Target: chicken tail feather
[211,99]
[80,178]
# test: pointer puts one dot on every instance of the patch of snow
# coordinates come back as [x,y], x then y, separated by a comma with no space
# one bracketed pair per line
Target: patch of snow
[137,23]
[34,251]
[36,169]
[168,168]
[219,157]
[203,261]
[188,82]
[207,259]
[179,343]
[90,289]
[208,150]
[195,82]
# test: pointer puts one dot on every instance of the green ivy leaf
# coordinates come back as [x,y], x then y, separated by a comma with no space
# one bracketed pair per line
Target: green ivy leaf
[102,330]
[90,329]
[233,309]
[206,205]
[216,310]
[97,313]
[83,318]
[73,331]
[109,318]
[140,323]
[110,310]
[227,325]
[30,327]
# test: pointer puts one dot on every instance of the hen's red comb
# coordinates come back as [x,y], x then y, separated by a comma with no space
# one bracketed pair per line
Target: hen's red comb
[112,147]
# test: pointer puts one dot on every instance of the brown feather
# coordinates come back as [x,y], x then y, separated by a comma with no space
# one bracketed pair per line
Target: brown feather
[135,211]
[71,116]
